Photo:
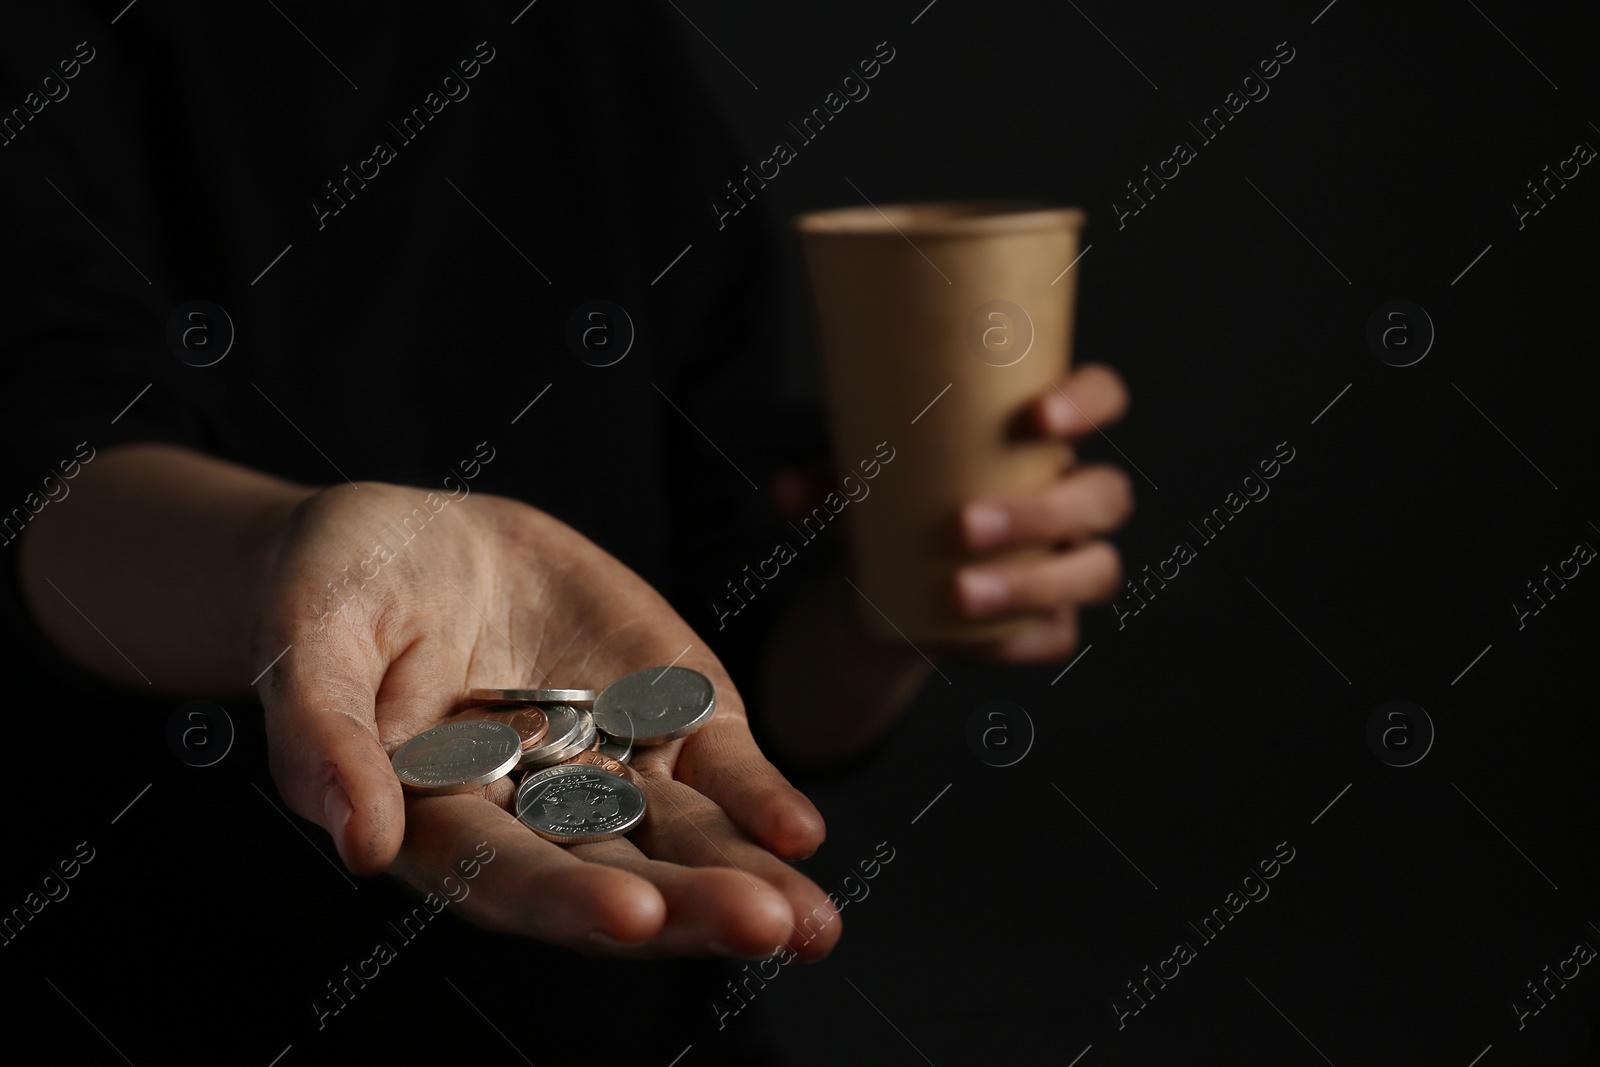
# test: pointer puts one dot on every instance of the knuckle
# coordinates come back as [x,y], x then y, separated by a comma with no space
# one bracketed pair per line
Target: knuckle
[1119,392]
[1059,511]
[1109,571]
[1070,638]
[1112,497]
[1065,634]
[1122,496]
[738,774]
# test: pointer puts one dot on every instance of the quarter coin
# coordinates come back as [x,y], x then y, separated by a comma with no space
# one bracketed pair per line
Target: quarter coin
[577,804]
[457,757]
[656,705]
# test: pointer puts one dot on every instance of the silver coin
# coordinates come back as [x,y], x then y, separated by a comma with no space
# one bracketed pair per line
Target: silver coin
[531,779]
[565,745]
[618,748]
[535,775]
[656,705]
[457,757]
[579,804]
[536,696]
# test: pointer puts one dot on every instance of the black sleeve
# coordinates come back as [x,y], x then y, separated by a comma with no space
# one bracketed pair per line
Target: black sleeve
[79,314]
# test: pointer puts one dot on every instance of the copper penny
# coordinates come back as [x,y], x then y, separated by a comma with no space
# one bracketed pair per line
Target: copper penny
[530,722]
[594,758]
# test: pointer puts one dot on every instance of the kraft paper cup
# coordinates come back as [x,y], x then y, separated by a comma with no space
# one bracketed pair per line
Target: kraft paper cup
[938,323]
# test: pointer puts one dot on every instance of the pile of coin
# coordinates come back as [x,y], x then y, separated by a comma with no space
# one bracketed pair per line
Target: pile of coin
[573,746]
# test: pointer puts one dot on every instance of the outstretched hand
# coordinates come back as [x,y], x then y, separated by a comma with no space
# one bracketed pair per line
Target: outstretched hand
[494,593]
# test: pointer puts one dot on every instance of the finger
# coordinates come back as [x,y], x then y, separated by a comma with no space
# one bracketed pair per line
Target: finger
[422,684]
[1092,396]
[722,762]
[1088,501]
[323,746]
[1054,638]
[687,828]
[521,883]
[1086,575]
[708,908]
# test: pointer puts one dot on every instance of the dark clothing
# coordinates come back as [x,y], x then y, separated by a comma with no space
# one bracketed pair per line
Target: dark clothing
[403,328]
[400,210]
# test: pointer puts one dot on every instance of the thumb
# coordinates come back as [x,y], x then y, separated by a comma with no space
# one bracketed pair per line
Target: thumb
[323,746]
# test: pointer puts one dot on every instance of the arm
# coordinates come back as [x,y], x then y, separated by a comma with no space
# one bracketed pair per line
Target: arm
[201,572]
[870,682]
[167,554]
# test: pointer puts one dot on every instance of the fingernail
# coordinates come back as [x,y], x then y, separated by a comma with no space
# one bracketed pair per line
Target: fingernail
[1063,417]
[605,940]
[986,524]
[983,591]
[336,812]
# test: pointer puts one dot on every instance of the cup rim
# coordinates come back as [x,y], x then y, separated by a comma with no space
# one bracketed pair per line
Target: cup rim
[941,218]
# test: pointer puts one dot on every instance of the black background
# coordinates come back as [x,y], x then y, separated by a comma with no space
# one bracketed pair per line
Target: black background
[1197,737]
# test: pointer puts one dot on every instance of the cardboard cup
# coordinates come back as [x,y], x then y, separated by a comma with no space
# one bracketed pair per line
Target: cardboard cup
[938,323]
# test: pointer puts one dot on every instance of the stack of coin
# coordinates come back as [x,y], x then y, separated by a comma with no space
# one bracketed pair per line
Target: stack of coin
[458,757]
[571,732]
[530,722]
[574,745]
[580,697]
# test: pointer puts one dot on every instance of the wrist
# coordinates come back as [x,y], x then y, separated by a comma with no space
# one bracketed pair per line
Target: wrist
[876,680]
[152,574]
[261,536]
